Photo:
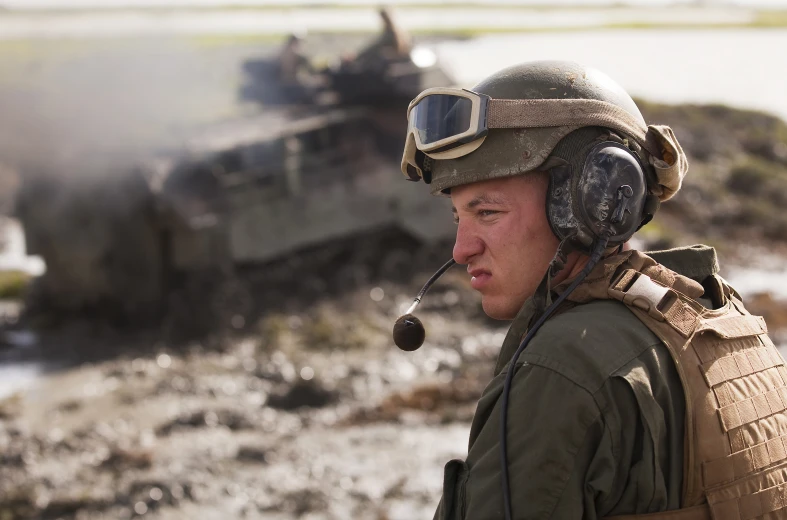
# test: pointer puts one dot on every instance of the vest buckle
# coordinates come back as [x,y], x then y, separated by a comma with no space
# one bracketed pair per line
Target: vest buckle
[638,290]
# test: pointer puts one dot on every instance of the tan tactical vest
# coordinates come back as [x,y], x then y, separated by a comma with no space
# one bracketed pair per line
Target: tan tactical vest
[735,382]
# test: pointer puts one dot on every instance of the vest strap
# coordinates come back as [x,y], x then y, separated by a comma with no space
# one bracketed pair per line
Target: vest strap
[638,290]
[662,303]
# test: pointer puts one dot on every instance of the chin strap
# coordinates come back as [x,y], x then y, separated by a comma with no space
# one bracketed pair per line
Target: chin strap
[543,291]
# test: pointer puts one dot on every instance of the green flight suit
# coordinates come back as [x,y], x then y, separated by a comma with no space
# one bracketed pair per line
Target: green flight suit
[595,420]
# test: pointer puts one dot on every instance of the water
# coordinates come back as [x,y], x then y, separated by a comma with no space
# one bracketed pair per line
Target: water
[736,67]
[733,67]
[13,253]
[767,275]
[752,280]
[16,377]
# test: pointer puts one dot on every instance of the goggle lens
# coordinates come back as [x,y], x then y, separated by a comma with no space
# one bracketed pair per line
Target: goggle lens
[438,117]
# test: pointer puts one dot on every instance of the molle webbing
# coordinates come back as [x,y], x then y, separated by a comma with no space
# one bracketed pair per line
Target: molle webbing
[760,496]
[735,383]
[688,513]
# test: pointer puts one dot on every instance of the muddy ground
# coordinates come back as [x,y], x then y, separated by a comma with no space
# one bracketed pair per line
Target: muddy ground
[315,416]
[312,414]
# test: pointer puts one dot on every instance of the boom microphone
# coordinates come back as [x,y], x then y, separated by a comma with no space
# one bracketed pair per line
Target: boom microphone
[408,331]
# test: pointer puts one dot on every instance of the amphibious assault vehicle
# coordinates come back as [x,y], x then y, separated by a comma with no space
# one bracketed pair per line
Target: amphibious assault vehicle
[168,236]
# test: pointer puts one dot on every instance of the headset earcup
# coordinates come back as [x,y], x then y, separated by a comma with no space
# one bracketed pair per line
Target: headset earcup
[609,166]
[580,206]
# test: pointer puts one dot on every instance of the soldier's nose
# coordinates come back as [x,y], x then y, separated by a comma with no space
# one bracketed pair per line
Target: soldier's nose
[467,245]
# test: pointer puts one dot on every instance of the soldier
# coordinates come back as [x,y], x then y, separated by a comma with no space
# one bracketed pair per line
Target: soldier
[293,65]
[392,44]
[640,383]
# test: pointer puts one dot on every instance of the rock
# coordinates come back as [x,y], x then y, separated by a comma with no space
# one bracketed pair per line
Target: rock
[254,454]
[232,419]
[11,406]
[304,501]
[309,394]
[71,405]
[120,459]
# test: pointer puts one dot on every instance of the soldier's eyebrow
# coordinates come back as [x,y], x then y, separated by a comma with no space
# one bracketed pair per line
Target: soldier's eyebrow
[484,198]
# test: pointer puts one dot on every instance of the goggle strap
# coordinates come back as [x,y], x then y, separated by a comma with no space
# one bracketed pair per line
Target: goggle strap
[540,113]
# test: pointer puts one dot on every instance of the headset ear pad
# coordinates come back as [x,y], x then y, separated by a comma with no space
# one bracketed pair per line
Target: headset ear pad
[608,168]
[560,206]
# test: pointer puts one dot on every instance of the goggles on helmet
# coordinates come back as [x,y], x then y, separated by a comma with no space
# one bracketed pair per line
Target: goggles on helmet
[443,123]
[447,123]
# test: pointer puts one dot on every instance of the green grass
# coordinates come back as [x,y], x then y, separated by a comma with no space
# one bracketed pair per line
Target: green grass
[371,4]
[770,18]
[25,49]
[228,40]
[29,49]
[764,19]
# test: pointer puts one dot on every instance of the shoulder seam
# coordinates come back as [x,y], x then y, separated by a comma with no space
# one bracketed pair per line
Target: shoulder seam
[555,366]
[561,375]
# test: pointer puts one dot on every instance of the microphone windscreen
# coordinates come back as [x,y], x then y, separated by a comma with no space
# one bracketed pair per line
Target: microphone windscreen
[408,333]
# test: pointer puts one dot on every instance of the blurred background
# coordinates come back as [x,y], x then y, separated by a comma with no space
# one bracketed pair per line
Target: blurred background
[206,237]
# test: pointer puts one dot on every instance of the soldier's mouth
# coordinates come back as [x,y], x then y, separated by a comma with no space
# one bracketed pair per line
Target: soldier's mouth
[479,278]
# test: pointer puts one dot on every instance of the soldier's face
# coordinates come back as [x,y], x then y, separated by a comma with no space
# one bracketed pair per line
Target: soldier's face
[504,239]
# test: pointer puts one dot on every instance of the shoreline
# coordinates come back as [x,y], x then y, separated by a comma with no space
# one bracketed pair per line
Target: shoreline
[429,19]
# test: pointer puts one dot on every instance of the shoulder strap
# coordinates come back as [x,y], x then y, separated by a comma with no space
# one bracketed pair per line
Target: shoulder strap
[659,301]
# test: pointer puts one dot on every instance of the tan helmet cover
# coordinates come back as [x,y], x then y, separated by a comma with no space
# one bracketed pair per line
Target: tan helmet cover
[673,165]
